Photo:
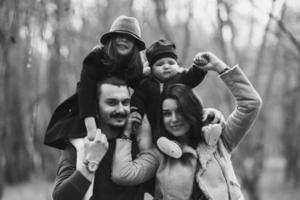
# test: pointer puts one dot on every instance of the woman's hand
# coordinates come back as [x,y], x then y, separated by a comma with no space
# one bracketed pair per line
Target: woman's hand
[213,116]
[214,63]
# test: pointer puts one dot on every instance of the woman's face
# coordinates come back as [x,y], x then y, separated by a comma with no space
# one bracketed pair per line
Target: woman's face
[124,44]
[173,120]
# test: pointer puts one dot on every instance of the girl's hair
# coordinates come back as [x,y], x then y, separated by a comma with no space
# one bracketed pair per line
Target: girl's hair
[191,108]
[128,67]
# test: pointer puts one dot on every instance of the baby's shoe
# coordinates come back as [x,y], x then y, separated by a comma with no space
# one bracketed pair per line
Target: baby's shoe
[212,133]
[169,147]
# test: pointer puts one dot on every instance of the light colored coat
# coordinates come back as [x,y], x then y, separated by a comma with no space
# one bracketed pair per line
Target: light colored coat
[211,166]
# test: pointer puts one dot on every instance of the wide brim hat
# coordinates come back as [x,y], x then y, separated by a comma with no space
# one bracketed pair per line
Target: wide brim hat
[125,25]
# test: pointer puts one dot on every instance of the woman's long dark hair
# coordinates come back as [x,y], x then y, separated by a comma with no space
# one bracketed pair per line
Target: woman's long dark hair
[128,67]
[191,108]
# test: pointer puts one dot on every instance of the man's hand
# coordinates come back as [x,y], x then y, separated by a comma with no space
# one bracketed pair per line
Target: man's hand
[96,149]
[87,150]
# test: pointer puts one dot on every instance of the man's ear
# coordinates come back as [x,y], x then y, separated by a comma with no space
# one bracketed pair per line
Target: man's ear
[130,90]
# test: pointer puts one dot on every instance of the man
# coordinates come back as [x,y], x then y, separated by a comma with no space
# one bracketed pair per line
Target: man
[92,160]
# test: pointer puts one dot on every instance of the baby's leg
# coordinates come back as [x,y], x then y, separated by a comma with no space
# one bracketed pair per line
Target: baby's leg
[169,147]
[91,127]
[214,121]
[212,133]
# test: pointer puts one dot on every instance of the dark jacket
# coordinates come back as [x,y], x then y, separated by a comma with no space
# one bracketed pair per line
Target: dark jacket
[147,96]
[67,119]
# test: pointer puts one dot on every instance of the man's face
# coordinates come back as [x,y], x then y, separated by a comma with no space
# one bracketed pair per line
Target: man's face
[114,105]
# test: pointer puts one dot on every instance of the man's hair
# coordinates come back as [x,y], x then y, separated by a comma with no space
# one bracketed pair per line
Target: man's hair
[113,80]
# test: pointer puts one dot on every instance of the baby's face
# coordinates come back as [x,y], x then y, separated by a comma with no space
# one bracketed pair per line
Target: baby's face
[165,68]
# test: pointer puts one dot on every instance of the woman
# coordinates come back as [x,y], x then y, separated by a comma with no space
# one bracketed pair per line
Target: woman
[203,172]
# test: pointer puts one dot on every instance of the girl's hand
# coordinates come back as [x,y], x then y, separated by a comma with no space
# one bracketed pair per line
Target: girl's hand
[213,62]
[133,123]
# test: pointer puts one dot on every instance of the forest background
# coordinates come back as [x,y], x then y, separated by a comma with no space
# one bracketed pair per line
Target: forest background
[43,43]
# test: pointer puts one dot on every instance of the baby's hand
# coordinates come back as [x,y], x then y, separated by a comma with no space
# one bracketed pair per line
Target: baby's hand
[91,134]
[214,63]
[201,60]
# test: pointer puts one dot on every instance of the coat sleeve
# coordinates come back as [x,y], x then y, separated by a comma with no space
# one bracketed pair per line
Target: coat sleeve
[248,105]
[92,72]
[138,100]
[193,76]
[126,171]
[69,183]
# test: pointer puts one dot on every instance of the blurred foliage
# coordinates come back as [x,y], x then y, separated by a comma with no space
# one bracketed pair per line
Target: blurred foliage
[43,43]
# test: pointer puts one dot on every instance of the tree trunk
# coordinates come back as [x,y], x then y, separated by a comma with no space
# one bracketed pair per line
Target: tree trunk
[187,35]
[3,56]
[53,78]
[17,165]
[290,136]
[261,52]
[163,24]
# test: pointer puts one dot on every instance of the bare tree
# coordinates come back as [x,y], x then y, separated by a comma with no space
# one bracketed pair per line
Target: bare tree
[161,11]
[261,52]
[187,34]
[16,165]
[291,106]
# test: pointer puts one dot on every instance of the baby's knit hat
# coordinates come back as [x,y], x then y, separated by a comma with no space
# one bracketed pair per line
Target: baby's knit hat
[160,49]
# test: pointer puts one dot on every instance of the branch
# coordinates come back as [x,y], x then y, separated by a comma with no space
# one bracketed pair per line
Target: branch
[282,26]
[187,34]
[161,11]
[260,54]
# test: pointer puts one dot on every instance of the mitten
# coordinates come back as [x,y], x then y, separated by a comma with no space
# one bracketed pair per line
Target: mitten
[212,133]
[169,147]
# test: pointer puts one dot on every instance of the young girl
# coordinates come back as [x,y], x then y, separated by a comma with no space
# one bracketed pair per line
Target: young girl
[203,171]
[119,55]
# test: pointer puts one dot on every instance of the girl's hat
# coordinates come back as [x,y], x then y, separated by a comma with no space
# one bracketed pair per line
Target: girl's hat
[125,25]
[160,49]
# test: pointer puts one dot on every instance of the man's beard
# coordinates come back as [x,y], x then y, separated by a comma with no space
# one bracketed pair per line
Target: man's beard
[119,129]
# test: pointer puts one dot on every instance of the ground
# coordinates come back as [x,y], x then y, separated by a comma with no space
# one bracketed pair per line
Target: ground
[274,187]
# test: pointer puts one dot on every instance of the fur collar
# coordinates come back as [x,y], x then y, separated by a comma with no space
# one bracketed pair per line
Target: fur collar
[205,154]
